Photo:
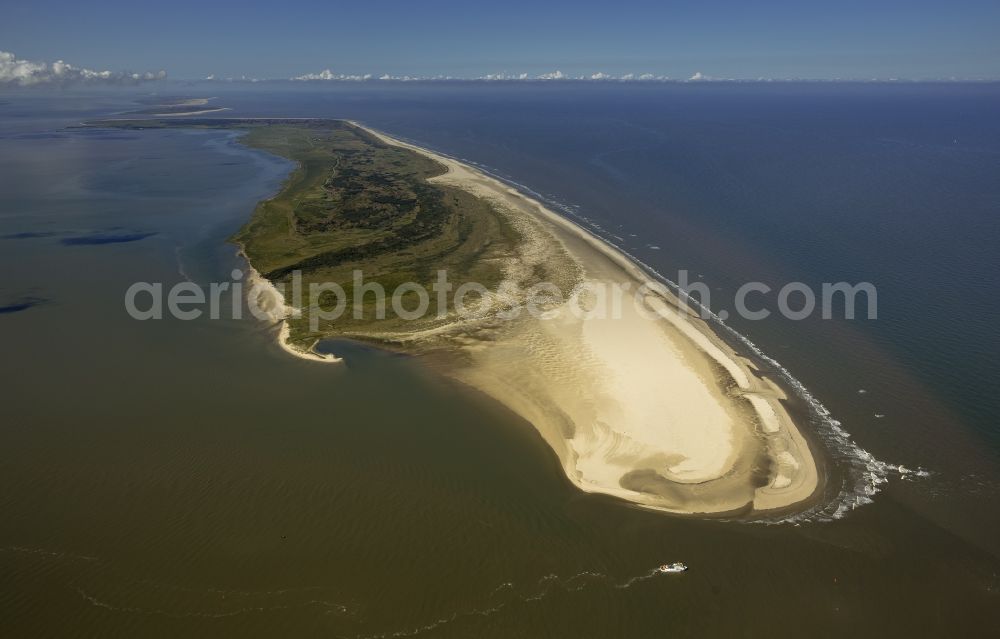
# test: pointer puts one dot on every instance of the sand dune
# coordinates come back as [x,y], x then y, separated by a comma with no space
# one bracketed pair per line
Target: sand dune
[650,406]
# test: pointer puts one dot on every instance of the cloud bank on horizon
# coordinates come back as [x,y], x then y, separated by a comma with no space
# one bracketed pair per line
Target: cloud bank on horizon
[329,75]
[23,73]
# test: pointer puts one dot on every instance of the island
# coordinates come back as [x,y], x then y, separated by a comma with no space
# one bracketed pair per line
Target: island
[648,403]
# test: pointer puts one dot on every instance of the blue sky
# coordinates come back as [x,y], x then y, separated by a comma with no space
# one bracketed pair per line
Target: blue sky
[746,39]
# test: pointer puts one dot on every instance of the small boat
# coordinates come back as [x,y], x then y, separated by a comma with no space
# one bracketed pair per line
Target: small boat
[674,567]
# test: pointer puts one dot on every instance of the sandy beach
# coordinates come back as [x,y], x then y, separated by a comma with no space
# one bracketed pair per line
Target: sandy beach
[190,113]
[650,405]
[269,305]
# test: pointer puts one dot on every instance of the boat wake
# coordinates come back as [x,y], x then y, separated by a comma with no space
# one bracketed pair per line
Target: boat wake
[507,595]
[327,607]
[46,553]
[172,601]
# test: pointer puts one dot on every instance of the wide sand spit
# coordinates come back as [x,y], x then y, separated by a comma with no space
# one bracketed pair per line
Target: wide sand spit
[647,404]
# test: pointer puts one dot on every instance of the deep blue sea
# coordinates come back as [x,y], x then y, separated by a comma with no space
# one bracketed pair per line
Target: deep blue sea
[893,184]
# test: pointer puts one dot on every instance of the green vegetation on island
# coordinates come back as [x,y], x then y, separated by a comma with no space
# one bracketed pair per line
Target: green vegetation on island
[356,203]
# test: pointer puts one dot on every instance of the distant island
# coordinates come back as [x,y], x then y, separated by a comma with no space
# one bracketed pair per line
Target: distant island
[177,107]
[650,405]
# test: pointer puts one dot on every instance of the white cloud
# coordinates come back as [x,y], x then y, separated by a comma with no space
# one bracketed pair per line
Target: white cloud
[327,74]
[503,75]
[698,76]
[600,76]
[17,72]
[409,78]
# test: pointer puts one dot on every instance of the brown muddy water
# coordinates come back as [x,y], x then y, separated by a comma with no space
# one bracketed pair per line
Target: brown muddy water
[188,478]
